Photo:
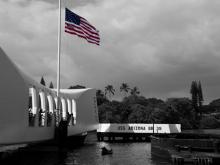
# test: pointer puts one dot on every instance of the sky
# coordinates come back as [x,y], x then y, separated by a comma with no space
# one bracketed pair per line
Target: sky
[158,46]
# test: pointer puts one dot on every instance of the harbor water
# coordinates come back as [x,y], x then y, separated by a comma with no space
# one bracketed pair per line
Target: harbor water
[88,154]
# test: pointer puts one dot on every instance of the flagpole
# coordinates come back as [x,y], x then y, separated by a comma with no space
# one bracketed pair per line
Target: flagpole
[58,53]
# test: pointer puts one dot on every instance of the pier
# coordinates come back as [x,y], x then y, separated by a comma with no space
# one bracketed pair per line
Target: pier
[133,132]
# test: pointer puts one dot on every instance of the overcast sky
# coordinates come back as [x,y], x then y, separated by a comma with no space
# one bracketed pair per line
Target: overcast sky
[159,46]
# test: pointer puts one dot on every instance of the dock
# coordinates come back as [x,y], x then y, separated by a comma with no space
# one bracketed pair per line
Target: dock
[123,137]
[133,132]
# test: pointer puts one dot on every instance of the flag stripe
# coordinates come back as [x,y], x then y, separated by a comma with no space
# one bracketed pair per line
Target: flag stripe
[79,34]
[82,33]
[82,30]
[91,34]
[74,29]
[86,22]
[71,32]
[91,31]
[88,26]
[82,27]
[79,26]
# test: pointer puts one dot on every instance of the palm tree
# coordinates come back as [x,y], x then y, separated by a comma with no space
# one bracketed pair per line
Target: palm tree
[124,88]
[99,93]
[135,91]
[109,90]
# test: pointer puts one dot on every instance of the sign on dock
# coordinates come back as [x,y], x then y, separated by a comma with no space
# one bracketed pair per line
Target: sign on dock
[139,128]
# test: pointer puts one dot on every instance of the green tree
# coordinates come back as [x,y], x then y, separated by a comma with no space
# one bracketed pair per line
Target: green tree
[135,91]
[181,110]
[197,97]
[106,114]
[194,96]
[121,109]
[124,88]
[139,114]
[42,81]
[109,90]
[51,85]
[100,97]
[182,105]
[158,115]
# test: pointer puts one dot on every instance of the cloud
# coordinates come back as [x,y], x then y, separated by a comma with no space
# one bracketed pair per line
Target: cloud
[159,46]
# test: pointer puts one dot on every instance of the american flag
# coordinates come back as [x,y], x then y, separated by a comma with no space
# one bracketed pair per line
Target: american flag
[76,25]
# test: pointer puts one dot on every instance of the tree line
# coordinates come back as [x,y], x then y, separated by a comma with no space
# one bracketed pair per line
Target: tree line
[124,88]
[135,108]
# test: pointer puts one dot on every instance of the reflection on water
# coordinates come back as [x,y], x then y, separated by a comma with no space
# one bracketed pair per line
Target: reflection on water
[88,154]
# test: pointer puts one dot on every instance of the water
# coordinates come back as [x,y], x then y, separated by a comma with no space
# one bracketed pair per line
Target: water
[123,154]
[89,154]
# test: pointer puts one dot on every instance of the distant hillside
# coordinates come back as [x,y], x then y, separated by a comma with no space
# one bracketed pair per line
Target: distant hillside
[215,103]
[77,87]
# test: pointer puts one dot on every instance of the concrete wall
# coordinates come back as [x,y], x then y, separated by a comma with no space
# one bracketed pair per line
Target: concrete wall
[14,100]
